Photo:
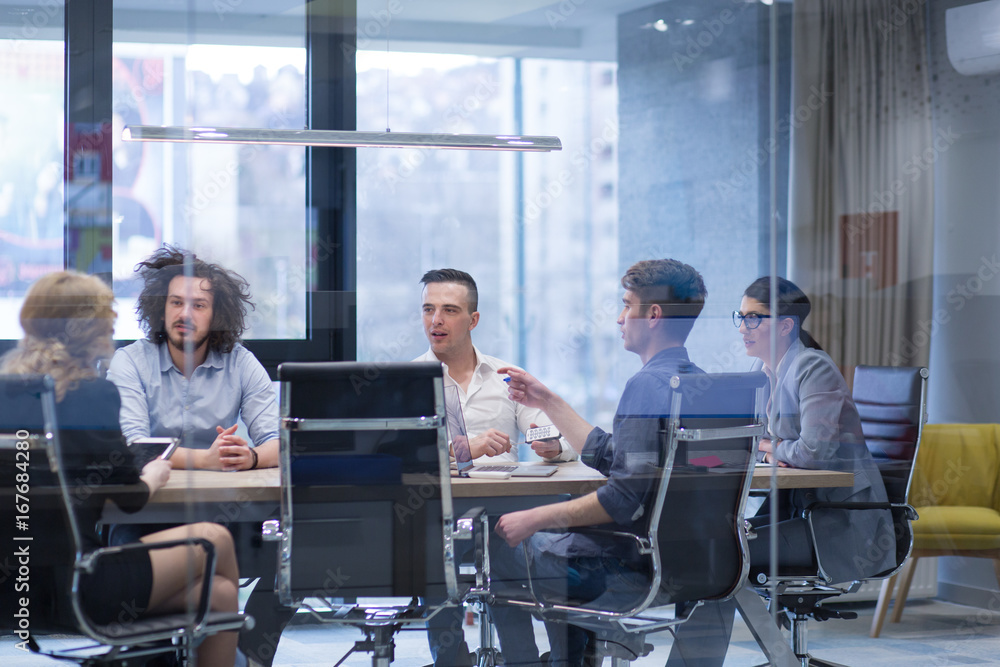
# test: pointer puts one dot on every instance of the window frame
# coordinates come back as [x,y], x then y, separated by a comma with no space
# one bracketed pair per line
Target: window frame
[331,330]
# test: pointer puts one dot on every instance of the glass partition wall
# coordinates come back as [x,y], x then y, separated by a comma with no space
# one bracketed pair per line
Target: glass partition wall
[847,146]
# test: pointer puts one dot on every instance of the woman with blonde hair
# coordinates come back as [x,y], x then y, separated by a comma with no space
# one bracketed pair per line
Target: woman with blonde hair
[68,319]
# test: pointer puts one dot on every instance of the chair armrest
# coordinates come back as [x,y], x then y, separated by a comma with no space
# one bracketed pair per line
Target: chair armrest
[909,512]
[641,543]
[86,565]
[465,525]
[465,529]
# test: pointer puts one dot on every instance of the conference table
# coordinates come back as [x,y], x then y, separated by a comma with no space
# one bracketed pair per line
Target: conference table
[253,496]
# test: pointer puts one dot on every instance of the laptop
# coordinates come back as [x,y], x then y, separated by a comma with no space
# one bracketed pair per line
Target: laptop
[459,439]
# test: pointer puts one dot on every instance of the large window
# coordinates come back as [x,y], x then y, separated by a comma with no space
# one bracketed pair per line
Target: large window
[241,206]
[31,156]
[852,147]
[537,232]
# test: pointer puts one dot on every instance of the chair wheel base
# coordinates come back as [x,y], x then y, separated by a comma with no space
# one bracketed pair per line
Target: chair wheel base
[810,661]
[488,657]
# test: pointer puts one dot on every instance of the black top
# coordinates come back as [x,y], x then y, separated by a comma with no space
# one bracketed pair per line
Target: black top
[95,455]
[98,466]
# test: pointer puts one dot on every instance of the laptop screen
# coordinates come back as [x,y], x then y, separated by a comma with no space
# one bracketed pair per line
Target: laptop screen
[458,436]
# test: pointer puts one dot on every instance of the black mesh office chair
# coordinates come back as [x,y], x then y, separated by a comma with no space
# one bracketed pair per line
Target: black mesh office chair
[366,507]
[892,402]
[705,467]
[42,543]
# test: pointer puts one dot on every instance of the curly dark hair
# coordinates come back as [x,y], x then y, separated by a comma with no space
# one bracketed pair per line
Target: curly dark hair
[230,296]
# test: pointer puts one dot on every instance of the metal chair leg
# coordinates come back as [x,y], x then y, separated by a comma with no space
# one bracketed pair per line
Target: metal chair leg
[487,655]
[800,644]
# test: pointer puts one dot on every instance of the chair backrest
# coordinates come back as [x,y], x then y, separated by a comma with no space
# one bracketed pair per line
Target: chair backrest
[891,402]
[712,433]
[40,533]
[366,498]
[958,465]
[57,475]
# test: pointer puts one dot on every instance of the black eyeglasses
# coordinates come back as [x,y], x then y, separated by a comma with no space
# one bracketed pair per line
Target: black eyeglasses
[752,320]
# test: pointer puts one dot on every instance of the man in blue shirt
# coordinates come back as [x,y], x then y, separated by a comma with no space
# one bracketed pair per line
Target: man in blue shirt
[661,301]
[192,379]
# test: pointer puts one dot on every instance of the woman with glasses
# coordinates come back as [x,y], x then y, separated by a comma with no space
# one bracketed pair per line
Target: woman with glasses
[812,422]
[68,319]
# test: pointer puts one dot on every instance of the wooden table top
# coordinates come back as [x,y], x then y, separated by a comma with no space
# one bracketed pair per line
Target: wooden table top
[207,486]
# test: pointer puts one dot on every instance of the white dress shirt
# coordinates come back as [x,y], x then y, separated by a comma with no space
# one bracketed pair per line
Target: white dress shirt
[486,405]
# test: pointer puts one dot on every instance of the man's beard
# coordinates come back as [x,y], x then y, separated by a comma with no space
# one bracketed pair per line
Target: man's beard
[180,342]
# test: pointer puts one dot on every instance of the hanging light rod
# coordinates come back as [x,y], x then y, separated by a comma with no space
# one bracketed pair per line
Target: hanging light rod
[340,138]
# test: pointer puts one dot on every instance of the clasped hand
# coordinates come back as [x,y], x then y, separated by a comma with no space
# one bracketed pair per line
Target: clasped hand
[229,451]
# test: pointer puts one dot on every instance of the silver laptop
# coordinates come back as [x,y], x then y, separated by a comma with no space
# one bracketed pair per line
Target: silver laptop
[459,437]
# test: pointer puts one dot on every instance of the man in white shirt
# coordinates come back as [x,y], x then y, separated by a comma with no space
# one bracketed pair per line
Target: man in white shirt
[450,302]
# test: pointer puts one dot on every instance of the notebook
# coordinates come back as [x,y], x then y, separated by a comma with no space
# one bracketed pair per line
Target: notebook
[459,438]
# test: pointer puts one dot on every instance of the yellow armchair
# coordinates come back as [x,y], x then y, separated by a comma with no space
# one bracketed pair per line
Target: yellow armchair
[955,492]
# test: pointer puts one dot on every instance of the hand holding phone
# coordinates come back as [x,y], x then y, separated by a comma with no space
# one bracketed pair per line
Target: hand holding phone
[148,449]
[541,433]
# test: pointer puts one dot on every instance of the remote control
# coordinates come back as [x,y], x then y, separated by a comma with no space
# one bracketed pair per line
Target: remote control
[541,433]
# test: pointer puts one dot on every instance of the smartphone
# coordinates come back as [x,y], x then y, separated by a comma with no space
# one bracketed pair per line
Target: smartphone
[147,449]
[541,433]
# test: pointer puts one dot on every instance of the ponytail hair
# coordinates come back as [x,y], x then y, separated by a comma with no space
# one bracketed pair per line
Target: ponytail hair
[792,302]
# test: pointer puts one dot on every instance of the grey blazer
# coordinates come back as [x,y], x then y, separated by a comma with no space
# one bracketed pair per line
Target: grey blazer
[810,409]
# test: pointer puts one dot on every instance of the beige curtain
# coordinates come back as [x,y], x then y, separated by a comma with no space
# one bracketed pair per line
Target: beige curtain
[861,202]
